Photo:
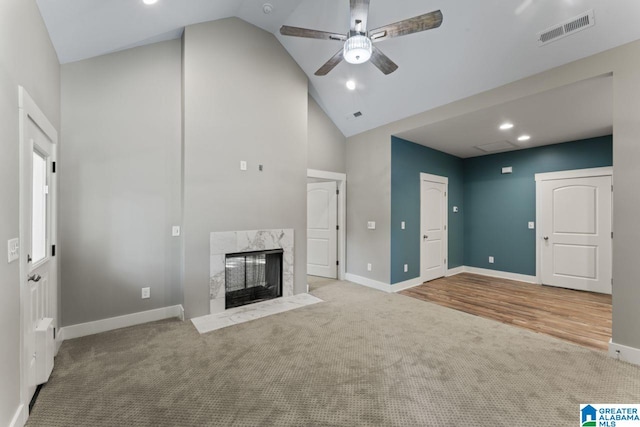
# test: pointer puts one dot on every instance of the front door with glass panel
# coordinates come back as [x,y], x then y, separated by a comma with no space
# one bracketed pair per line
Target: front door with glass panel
[37,237]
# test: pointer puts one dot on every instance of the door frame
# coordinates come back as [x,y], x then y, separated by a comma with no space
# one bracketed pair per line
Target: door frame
[341,180]
[445,239]
[28,109]
[552,176]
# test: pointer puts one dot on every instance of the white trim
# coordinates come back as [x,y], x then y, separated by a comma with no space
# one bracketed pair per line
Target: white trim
[20,417]
[370,283]
[624,353]
[501,274]
[445,181]
[341,180]
[331,176]
[576,173]
[401,286]
[455,270]
[104,325]
[550,176]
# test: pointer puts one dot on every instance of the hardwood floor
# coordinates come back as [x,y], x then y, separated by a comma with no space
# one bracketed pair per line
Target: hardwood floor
[583,318]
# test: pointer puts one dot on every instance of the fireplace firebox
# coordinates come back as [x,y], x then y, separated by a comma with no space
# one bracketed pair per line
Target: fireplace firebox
[252,277]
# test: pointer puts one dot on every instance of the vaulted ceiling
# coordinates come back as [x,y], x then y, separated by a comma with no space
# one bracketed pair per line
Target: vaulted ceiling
[480,45]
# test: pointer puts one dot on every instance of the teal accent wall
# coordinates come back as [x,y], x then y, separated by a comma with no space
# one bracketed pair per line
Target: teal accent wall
[408,160]
[498,207]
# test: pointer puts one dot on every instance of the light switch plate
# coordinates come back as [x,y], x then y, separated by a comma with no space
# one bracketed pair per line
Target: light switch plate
[175,230]
[406,268]
[13,250]
[146,293]
[532,225]
[402,225]
[371,225]
[508,169]
[491,260]
[243,165]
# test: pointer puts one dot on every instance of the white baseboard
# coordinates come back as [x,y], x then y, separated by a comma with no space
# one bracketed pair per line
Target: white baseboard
[384,287]
[454,271]
[59,340]
[90,328]
[401,286]
[624,353]
[19,418]
[397,287]
[501,274]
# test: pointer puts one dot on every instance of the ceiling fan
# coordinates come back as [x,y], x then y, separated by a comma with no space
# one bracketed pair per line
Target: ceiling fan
[358,43]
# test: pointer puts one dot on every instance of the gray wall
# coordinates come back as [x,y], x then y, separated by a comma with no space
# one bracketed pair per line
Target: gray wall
[327,145]
[369,199]
[27,58]
[244,99]
[120,182]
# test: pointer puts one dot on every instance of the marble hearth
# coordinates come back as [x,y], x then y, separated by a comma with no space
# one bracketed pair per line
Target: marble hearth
[227,242]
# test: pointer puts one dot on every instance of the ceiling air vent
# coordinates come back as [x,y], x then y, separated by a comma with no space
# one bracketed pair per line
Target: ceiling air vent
[494,147]
[566,28]
[357,114]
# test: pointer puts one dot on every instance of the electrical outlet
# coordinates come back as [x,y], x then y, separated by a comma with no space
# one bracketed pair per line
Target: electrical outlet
[532,225]
[369,267]
[406,268]
[13,250]
[175,230]
[371,225]
[455,209]
[243,165]
[491,260]
[146,293]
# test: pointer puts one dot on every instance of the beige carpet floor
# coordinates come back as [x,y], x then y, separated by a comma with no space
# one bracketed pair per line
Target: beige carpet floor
[361,358]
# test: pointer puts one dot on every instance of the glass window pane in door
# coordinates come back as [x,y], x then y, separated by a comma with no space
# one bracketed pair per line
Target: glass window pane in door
[39,209]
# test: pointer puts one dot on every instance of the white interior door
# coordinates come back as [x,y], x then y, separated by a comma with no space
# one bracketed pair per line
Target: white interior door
[433,210]
[576,233]
[38,267]
[322,233]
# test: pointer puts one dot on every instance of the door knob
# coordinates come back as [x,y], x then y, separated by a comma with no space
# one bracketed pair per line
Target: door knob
[546,237]
[34,278]
[425,237]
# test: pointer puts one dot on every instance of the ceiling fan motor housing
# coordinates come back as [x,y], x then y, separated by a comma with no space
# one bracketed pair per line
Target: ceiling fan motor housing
[357,49]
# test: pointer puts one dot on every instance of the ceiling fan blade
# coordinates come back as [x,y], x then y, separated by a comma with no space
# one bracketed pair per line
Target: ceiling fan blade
[285,30]
[359,14]
[416,24]
[382,61]
[330,64]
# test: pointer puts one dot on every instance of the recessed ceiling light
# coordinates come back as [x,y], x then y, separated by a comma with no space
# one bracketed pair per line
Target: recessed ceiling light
[149,2]
[351,85]
[506,126]
[524,138]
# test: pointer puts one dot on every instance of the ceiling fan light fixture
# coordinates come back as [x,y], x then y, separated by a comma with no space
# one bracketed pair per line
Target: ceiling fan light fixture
[357,49]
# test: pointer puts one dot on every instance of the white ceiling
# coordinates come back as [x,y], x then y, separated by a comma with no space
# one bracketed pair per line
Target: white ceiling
[480,45]
[578,111]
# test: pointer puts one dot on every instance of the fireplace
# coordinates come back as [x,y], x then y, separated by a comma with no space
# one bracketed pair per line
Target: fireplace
[252,277]
[232,255]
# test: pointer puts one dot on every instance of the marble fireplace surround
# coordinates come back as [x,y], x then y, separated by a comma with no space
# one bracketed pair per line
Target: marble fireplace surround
[227,242]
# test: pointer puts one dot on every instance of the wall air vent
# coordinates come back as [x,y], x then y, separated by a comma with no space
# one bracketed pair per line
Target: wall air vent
[567,28]
[357,114]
